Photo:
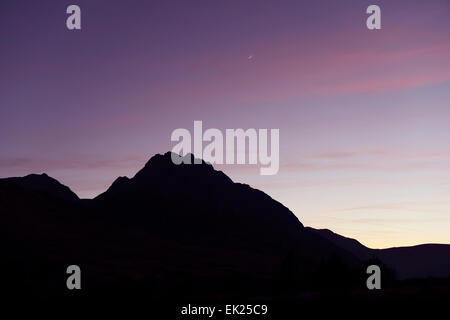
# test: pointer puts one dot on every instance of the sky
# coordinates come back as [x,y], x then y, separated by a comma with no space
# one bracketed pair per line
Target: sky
[364,115]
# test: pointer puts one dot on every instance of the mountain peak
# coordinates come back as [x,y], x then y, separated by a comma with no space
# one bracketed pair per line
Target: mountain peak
[161,171]
[43,183]
[169,158]
[164,165]
[174,189]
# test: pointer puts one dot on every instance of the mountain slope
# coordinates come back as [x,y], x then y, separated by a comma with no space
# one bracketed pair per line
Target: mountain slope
[351,245]
[422,261]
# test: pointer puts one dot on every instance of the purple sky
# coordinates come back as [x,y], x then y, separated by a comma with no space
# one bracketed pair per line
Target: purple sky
[364,116]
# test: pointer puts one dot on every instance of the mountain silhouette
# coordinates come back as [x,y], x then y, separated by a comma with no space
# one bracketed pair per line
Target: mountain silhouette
[177,231]
[421,261]
[42,183]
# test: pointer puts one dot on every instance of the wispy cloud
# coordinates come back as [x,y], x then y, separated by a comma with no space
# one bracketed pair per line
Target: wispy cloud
[57,164]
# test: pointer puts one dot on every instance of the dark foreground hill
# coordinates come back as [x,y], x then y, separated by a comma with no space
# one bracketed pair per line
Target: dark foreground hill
[176,232]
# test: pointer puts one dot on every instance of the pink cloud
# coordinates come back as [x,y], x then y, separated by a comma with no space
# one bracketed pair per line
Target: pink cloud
[38,165]
[284,70]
